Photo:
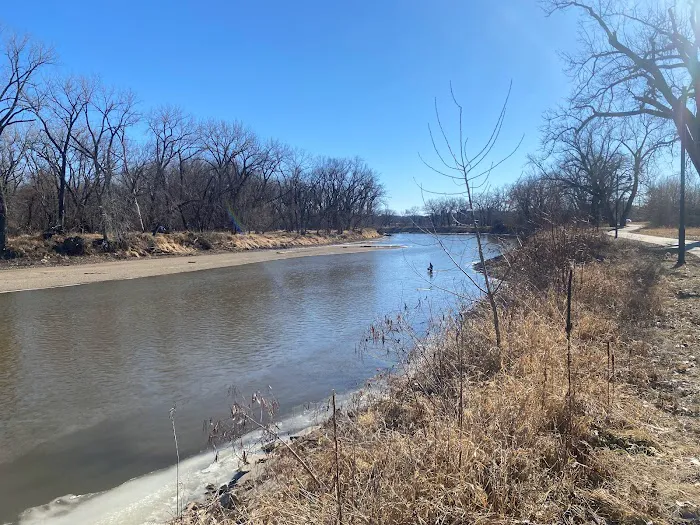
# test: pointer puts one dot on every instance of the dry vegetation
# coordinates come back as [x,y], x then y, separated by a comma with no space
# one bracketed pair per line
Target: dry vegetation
[30,250]
[691,234]
[472,433]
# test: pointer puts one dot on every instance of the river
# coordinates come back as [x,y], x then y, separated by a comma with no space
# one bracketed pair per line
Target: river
[88,374]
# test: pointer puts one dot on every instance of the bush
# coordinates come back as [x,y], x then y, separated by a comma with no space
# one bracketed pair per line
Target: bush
[11,253]
[546,257]
[204,243]
[71,246]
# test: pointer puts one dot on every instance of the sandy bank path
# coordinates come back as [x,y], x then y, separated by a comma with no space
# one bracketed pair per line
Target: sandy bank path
[36,278]
[692,247]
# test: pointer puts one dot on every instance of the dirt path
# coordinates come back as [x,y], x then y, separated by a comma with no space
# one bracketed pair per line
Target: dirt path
[692,247]
[37,278]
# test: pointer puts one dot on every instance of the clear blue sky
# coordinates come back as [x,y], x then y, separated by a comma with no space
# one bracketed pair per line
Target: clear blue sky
[335,78]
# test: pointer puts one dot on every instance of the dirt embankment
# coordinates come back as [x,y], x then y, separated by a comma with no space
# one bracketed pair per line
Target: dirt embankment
[61,250]
[602,427]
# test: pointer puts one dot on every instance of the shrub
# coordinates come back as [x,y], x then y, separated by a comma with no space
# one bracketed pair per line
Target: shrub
[71,246]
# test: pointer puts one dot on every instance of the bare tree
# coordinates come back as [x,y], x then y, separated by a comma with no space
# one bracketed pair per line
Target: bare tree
[661,202]
[23,59]
[13,163]
[174,138]
[643,137]
[295,203]
[233,154]
[638,61]
[588,166]
[134,160]
[106,117]
[537,201]
[472,172]
[258,201]
[58,107]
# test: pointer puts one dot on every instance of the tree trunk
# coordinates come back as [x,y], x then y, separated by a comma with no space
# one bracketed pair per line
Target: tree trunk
[104,201]
[183,219]
[689,140]
[62,202]
[595,216]
[635,188]
[487,280]
[138,213]
[610,213]
[3,221]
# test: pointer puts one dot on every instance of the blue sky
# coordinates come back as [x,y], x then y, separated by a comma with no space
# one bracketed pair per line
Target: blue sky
[334,78]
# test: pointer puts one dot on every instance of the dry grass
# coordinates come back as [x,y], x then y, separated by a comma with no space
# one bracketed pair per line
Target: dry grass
[27,250]
[691,234]
[472,433]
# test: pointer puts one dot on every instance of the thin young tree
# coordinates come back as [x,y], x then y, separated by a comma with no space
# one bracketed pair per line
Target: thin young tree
[471,171]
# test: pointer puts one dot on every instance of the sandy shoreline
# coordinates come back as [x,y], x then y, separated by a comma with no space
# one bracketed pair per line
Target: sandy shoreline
[38,278]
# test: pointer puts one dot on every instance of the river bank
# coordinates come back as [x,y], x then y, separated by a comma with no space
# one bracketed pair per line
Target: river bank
[605,432]
[175,258]
[72,249]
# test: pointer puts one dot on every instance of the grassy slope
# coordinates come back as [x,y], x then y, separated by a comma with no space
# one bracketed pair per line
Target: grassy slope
[29,250]
[511,446]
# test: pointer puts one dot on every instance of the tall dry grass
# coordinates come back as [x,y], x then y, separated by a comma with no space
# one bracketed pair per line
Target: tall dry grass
[26,249]
[473,433]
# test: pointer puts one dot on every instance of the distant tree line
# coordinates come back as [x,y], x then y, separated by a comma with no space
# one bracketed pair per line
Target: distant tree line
[76,155]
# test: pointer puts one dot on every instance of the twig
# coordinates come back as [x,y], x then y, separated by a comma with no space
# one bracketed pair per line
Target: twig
[337,465]
[278,438]
[570,393]
[177,466]
[460,417]
[608,372]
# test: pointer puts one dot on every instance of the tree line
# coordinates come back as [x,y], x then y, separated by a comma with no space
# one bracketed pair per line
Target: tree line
[76,155]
